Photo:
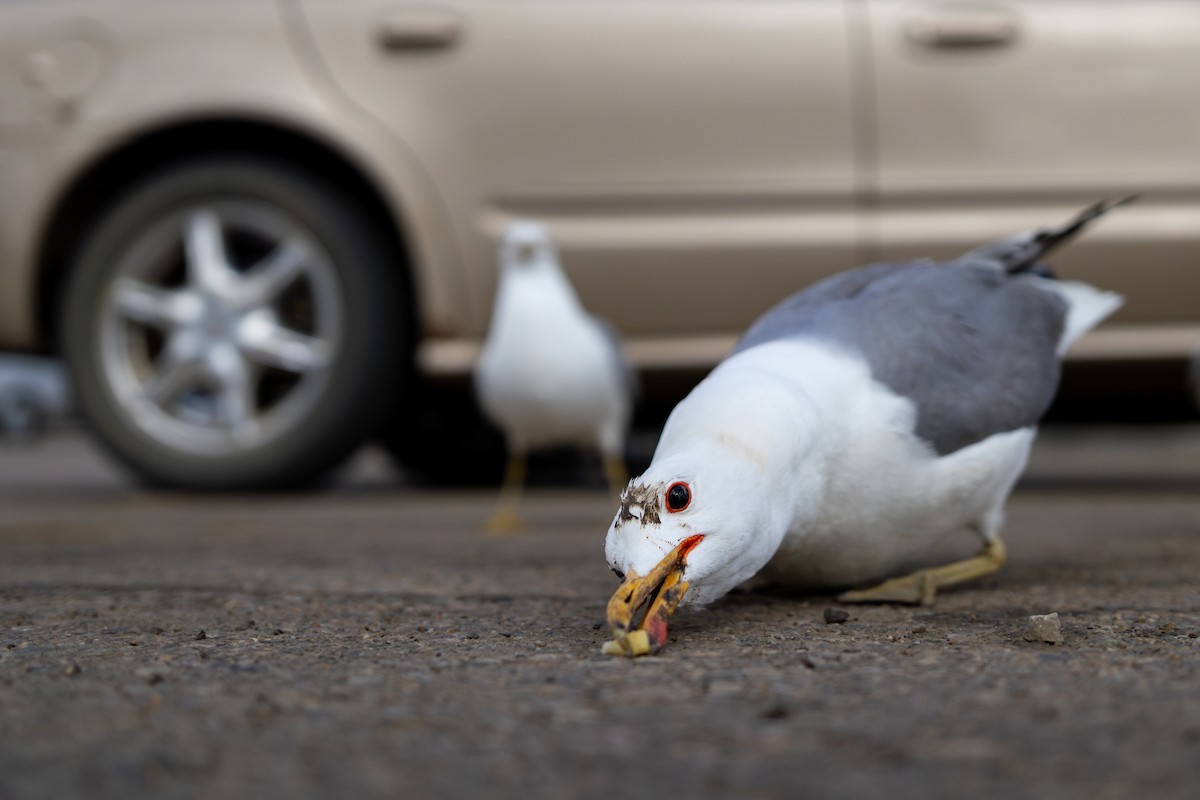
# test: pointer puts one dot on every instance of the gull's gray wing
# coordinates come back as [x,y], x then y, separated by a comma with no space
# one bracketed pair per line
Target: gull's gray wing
[973,347]
[622,365]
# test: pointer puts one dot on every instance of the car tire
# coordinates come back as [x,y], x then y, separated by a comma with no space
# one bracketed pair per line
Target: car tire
[443,437]
[232,323]
[1194,378]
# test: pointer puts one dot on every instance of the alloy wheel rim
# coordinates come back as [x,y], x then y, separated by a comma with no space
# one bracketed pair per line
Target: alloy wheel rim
[219,330]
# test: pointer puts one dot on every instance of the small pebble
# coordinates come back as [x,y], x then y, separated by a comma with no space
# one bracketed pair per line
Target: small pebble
[774,712]
[1043,628]
[836,616]
[72,670]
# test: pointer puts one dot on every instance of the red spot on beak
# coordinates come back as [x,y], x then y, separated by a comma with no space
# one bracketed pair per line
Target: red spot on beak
[688,544]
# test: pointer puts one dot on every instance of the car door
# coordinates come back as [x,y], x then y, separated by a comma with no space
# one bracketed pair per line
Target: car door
[693,158]
[1002,115]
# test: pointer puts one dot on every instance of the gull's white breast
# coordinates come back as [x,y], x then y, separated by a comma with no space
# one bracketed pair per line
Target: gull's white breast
[548,371]
[886,497]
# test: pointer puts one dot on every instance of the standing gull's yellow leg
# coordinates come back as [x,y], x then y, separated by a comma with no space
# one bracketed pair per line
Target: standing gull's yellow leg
[616,474]
[506,520]
[922,585]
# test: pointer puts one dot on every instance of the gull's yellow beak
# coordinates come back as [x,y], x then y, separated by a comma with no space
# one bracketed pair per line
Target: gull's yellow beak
[660,591]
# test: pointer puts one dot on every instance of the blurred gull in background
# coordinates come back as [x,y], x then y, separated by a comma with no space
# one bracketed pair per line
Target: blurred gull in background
[549,373]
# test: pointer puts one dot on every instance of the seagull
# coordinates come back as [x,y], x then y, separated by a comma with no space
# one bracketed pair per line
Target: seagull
[854,426]
[549,372]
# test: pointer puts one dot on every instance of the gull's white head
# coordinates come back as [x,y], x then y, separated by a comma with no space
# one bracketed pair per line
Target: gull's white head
[711,508]
[688,530]
[728,480]
[526,246]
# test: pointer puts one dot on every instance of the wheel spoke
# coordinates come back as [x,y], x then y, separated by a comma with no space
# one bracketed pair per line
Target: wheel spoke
[172,381]
[238,402]
[235,392]
[273,345]
[146,304]
[269,277]
[207,267]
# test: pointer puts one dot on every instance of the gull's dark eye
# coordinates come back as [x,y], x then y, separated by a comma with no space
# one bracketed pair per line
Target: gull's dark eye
[526,252]
[679,496]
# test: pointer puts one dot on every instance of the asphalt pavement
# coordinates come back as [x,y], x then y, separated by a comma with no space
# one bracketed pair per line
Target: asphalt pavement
[370,641]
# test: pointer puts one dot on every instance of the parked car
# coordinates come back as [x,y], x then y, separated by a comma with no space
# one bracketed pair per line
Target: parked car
[259,231]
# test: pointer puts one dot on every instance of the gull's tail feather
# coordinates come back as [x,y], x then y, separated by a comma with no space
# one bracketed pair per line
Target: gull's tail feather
[1087,307]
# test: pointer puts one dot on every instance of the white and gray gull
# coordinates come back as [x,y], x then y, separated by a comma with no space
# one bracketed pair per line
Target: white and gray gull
[854,426]
[549,373]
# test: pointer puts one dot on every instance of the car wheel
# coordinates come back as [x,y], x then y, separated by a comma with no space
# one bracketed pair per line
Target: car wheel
[232,323]
[442,436]
[1194,378]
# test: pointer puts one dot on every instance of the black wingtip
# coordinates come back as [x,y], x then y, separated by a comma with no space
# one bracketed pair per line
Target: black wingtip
[1054,237]
[1051,238]
[1126,200]
[1099,209]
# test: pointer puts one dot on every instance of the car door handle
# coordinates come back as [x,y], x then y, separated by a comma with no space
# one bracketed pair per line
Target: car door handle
[418,29]
[962,27]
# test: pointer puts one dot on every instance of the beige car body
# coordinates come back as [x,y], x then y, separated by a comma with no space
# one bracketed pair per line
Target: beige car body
[695,160]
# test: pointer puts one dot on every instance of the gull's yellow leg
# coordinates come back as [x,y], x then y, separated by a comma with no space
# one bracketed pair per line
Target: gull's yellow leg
[922,585]
[616,474]
[506,520]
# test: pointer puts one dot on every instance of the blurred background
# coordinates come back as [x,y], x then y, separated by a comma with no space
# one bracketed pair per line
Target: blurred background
[252,236]
[252,245]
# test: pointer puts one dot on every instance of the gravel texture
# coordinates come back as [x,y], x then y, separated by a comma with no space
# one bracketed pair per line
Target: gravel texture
[370,641]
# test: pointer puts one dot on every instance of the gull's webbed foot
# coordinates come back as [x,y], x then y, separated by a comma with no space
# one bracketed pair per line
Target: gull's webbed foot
[917,588]
[504,522]
[921,587]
